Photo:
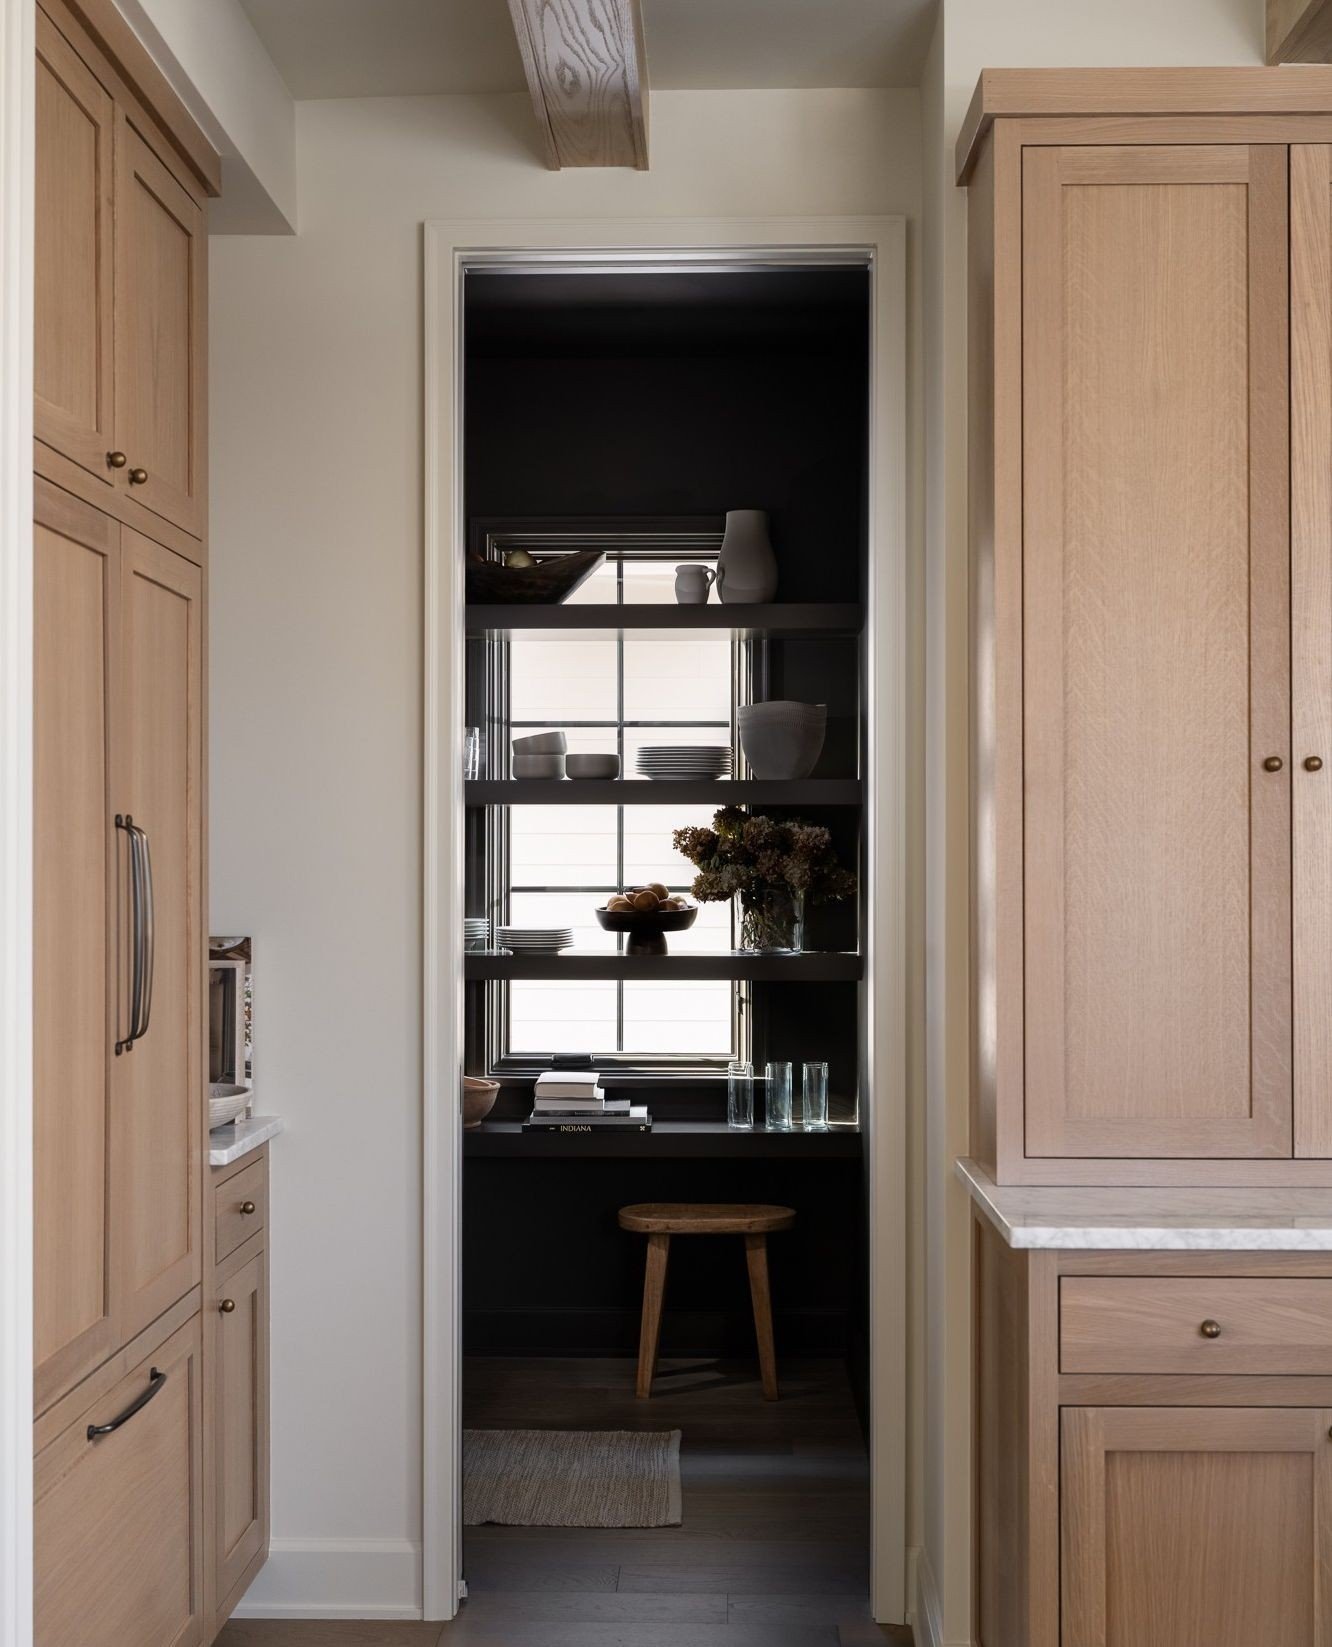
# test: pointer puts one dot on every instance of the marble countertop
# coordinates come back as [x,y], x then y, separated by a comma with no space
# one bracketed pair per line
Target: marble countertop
[230,1143]
[1147,1220]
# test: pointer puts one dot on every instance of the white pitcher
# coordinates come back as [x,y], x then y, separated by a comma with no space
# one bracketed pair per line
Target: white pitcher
[692,583]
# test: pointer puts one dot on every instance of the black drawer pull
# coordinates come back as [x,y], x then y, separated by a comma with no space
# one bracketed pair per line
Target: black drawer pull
[155,1382]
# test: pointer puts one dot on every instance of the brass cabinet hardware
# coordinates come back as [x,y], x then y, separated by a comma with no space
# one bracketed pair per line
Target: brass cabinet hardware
[137,477]
[116,460]
[1273,763]
[227,1305]
[1313,763]
[1210,1329]
[247,1207]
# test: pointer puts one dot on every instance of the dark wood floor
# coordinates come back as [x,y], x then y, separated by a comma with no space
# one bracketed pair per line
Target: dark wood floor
[773,1550]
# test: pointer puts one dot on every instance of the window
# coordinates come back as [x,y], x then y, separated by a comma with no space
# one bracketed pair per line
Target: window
[610,691]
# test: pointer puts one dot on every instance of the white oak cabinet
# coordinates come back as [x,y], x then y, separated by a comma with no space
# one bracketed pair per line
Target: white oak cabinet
[118,744]
[120,293]
[1153,1448]
[1151,543]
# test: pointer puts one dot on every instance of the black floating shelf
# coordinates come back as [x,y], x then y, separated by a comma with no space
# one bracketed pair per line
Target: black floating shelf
[815,966]
[792,618]
[687,1140]
[663,792]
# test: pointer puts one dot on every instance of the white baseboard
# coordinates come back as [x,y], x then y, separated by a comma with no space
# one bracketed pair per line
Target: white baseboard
[926,1609]
[337,1578]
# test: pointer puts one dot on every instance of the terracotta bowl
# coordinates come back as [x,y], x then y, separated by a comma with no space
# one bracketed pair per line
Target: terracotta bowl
[647,928]
[478,1100]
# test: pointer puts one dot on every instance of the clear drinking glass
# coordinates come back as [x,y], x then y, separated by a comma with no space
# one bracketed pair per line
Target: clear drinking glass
[777,1087]
[472,753]
[740,1095]
[814,1097]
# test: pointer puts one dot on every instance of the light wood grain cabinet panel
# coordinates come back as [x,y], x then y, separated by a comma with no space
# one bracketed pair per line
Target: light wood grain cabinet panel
[240,1208]
[76,599]
[1195,1324]
[1156,674]
[160,1195]
[118,1545]
[1311,632]
[74,255]
[160,333]
[1193,1527]
[239,1365]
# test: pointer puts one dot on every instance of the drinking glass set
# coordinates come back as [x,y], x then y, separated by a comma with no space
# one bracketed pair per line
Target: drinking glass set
[778,1113]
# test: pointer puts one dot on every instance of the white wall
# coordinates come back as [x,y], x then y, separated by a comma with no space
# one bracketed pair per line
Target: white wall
[316,685]
[972,35]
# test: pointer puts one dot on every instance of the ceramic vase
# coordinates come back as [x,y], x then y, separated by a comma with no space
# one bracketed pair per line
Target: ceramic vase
[746,565]
[782,739]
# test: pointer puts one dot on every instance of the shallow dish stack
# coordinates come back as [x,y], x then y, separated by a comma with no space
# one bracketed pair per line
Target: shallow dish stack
[676,760]
[476,931]
[533,940]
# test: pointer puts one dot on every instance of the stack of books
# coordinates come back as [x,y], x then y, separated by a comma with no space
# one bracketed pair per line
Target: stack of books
[573,1101]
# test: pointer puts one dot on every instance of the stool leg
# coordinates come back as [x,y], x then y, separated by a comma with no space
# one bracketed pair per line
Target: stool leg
[756,1256]
[654,1289]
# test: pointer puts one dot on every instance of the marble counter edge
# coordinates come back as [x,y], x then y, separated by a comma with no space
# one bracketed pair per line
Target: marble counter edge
[1148,1220]
[244,1138]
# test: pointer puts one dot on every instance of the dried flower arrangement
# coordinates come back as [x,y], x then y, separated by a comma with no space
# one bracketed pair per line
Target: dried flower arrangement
[773,866]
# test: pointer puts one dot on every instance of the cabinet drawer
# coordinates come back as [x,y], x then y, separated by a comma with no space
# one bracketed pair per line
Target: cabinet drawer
[1186,1324]
[246,1189]
[117,1529]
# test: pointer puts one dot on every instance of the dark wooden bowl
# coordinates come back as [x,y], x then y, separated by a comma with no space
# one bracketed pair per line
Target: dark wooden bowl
[647,928]
[490,582]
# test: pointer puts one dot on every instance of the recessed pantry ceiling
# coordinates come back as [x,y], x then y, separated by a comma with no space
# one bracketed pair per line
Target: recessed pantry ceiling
[388,48]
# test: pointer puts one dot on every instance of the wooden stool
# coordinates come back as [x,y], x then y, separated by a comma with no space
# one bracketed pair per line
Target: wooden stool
[659,1221]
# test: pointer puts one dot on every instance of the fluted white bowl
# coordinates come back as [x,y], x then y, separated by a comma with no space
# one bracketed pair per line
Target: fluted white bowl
[782,739]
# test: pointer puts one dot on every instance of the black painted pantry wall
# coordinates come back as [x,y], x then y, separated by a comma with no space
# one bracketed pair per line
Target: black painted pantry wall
[683,394]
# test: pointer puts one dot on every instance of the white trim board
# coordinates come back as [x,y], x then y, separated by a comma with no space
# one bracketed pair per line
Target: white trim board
[17,73]
[451,246]
[337,1578]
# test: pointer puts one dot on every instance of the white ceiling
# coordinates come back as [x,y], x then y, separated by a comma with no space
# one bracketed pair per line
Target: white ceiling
[385,48]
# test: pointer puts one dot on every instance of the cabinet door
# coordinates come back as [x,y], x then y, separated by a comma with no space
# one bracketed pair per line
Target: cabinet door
[76,601]
[72,346]
[117,1520]
[159,1188]
[160,323]
[1156,661]
[1196,1527]
[240,1424]
[1311,632]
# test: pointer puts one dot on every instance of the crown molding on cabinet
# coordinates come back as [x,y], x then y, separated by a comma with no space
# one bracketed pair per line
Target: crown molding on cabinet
[587,72]
[1301,89]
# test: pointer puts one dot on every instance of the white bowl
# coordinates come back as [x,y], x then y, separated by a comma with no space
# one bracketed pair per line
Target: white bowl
[538,766]
[592,766]
[541,743]
[225,1103]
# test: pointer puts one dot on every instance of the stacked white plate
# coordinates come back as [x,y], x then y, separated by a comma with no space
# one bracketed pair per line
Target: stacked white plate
[533,940]
[672,760]
[476,931]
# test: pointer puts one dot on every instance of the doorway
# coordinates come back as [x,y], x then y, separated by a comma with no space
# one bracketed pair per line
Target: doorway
[862,991]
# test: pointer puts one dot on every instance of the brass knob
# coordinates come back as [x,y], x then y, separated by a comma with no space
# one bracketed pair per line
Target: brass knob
[1273,763]
[227,1305]
[116,460]
[137,477]
[247,1207]
[1210,1329]
[1313,763]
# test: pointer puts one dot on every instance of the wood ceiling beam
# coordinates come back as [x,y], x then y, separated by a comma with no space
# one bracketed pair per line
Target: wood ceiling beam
[1299,31]
[587,72]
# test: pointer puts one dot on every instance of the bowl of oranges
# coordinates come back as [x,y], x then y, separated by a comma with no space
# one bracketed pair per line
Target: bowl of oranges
[647,913]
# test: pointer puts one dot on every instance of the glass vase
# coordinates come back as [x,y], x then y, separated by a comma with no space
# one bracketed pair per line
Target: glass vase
[772,921]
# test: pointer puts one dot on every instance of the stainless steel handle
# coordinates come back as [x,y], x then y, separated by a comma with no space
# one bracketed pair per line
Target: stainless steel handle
[149,933]
[136,932]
